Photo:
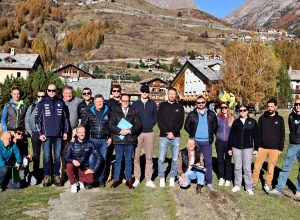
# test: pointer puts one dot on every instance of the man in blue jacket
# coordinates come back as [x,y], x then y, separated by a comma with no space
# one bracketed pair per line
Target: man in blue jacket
[52,123]
[148,112]
[96,121]
[77,158]
[9,157]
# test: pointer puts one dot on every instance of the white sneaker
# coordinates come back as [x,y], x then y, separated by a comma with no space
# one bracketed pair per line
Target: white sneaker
[267,188]
[74,188]
[150,184]
[227,183]
[221,182]
[236,188]
[81,185]
[136,183]
[172,181]
[250,192]
[162,182]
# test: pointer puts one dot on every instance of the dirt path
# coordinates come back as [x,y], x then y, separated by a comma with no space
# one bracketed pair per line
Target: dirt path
[94,204]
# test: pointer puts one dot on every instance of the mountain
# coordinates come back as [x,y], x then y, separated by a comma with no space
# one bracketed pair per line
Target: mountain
[174,4]
[268,13]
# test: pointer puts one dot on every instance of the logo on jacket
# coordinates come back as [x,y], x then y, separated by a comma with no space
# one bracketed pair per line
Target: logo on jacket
[58,105]
[249,123]
[106,117]
[297,121]
[276,123]
[177,110]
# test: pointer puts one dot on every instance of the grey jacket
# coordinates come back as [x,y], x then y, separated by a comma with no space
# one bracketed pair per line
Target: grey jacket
[73,110]
[30,119]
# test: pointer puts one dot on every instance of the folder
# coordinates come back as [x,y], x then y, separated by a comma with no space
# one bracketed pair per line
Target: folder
[124,124]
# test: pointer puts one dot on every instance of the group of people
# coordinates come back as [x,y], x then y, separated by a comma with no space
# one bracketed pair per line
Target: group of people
[84,133]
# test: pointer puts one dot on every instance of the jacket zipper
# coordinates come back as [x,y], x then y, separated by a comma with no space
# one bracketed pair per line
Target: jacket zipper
[224,130]
[242,142]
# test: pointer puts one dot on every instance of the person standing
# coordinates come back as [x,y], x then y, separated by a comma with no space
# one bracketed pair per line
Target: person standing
[116,95]
[201,124]
[170,118]
[272,132]
[225,120]
[85,104]
[148,113]
[71,104]
[77,159]
[292,153]
[125,125]
[243,134]
[33,132]
[13,114]
[96,119]
[52,123]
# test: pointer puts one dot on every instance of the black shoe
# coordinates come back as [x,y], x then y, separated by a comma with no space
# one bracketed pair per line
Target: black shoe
[198,189]
[88,186]
[129,184]
[102,184]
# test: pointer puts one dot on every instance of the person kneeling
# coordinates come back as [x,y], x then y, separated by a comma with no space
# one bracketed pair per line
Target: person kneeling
[190,166]
[9,157]
[77,159]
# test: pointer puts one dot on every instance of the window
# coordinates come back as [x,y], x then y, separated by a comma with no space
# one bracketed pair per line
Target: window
[18,74]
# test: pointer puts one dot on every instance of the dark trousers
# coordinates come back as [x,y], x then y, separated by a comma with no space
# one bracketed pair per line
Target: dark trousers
[206,149]
[6,179]
[127,151]
[224,160]
[36,146]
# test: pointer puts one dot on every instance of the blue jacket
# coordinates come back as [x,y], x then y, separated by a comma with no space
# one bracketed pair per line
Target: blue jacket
[148,114]
[52,117]
[6,154]
[81,151]
[97,129]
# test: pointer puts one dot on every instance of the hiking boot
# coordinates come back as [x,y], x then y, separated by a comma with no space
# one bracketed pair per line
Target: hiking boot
[115,184]
[129,184]
[221,182]
[74,188]
[88,186]
[136,183]
[198,189]
[57,181]
[47,181]
[275,192]
[102,184]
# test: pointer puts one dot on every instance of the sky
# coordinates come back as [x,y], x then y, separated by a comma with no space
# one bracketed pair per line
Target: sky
[219,8]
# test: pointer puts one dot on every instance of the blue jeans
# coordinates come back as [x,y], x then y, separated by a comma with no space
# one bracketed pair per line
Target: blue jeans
[101,147]
[127,151]
[47,148]
[292,153]
[192,175]
[5,179]
[163,147]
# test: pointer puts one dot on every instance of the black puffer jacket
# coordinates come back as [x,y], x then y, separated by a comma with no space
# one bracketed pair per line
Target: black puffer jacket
[294,125]
[81,151]
[191,123]
[243,136]
[133,118]
[97,129]
[82,109]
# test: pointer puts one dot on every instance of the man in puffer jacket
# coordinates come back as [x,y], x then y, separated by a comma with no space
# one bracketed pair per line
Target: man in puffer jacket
[77,158]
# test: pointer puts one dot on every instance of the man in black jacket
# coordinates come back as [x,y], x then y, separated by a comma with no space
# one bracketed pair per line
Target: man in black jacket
[85,104]
[125,125]
[271,130]
[292,153]
[170,118]
[201,124]
[96,121]
[77,158]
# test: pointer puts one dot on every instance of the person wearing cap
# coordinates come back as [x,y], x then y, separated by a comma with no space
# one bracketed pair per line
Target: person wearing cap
[148,112]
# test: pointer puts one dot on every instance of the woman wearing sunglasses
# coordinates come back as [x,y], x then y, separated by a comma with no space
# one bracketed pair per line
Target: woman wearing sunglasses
[243,135]
[225,120]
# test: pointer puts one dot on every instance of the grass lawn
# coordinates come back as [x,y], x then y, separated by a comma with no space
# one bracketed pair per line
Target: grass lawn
[145,203]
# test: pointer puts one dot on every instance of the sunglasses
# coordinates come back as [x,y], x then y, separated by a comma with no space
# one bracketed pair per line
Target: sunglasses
[200,103]
[243,110]
[86,93]
[224,107]
[145,91]
[40,96]
[297,104]
[116,90]
[51,90]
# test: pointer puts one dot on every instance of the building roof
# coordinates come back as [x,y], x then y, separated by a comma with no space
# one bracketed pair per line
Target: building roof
[294,75]
[18,61]
[131,88]
[147,81]
[205,67]
[68,65]
[98,86]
